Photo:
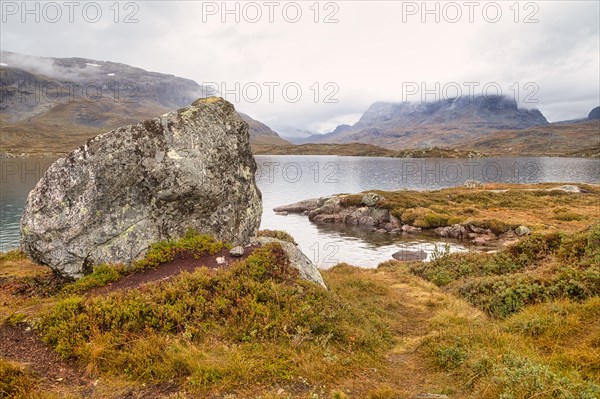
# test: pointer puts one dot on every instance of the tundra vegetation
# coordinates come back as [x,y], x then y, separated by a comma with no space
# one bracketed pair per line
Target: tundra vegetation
[519,323]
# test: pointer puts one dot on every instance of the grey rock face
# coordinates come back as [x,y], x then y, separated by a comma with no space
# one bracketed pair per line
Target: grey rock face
[411,229]
[370,199]
[302,206]
[455,231]
[236,252]
[473,184]
[108,200]
[308,271]
[407,255]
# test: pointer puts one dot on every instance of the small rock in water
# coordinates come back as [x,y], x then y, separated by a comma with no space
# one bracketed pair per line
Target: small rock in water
[522,231]
[407,255]
[283,213]
[236,252]
[480,241]
[410,229]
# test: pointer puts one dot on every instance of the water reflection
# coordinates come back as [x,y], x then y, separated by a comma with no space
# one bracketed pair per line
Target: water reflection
[286,179]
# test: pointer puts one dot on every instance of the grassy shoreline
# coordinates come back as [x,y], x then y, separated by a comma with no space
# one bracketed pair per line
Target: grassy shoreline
[518,323]
[369,150]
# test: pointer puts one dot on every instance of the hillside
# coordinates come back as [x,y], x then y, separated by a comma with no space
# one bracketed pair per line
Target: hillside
[55,104]
[568,139]
[496,126]
[361,150]
[441,123]
[261,134]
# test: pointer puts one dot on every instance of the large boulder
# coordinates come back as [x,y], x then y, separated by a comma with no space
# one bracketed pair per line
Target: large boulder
[108,200]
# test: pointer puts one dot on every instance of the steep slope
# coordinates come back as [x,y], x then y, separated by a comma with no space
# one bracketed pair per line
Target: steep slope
[261,134]
[55,104]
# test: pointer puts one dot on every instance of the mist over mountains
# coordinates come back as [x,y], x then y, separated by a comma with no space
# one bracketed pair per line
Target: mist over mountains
[438,123]
[56,104]
[47,101]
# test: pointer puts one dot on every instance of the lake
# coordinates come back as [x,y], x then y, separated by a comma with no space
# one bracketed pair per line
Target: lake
[284,179]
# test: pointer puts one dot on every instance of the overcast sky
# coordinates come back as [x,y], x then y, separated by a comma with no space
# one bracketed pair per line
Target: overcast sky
[368,51]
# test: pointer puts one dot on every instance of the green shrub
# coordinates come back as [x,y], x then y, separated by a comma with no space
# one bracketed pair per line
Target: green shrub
[518,377]
[505,282]
[14,382]
[15,254]
[165,251]
[15,319]
[496,226]
[101,275]
[278,234]
[568,216]
[259,306]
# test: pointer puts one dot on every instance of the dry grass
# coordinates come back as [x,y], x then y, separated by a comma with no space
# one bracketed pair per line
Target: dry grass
[359,150]
[382,333]
[498,206]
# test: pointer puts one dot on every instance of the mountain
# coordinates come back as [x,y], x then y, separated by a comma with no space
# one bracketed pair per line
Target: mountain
[445,123]
[261,134]
[56,104]
[594,114]
[297,135]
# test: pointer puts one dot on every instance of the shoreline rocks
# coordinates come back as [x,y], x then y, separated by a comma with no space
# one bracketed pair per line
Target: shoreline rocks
[408,255]
[110,199]
[327,210]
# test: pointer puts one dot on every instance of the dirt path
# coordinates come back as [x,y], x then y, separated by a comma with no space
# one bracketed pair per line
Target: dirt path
[24,345]
[183,262]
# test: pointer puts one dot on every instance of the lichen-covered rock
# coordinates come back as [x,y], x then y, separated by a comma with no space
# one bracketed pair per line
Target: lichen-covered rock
[108,200]
[236,252]
[371,199]
[308,271]
[473,184]
[522,231]
[455,231]
[302,206]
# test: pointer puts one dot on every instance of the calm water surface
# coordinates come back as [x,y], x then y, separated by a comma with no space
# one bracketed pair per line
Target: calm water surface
[285,179]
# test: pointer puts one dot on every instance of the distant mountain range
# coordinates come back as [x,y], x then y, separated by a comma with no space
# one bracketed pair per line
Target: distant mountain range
[50,105]
[441,123]
[56,104]
[494,125]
